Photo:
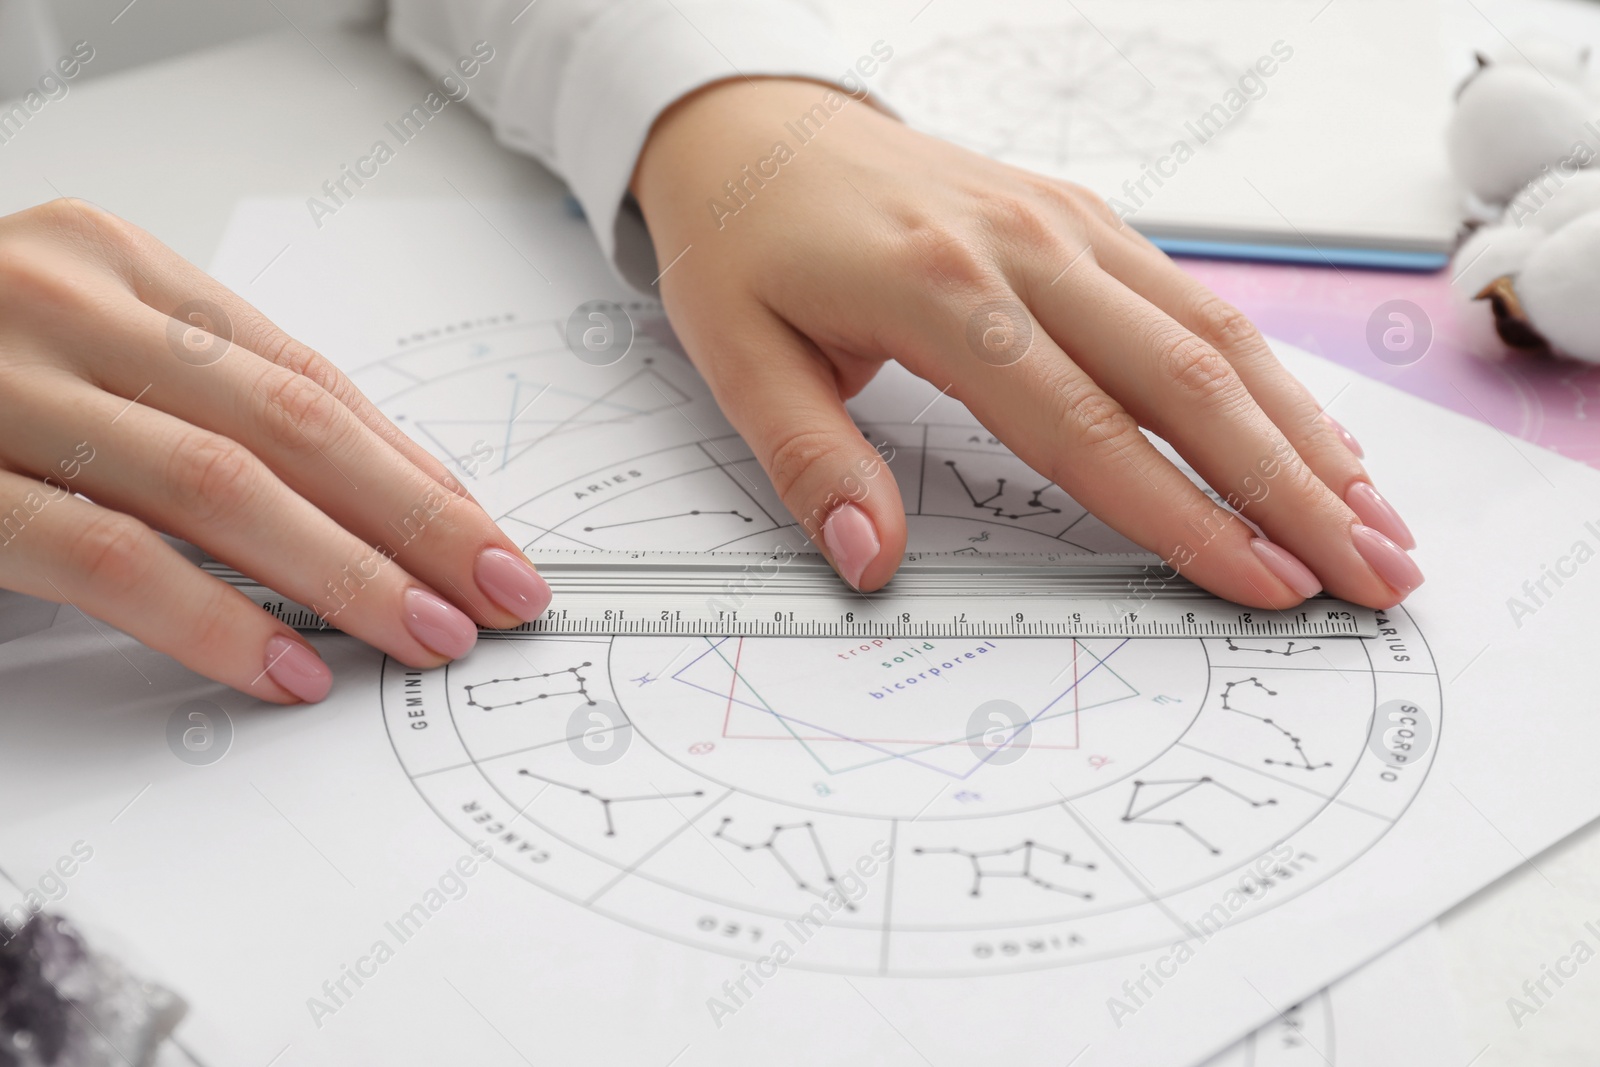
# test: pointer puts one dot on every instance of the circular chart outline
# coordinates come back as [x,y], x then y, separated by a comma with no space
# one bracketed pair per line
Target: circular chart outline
[908,83]
[1018,931]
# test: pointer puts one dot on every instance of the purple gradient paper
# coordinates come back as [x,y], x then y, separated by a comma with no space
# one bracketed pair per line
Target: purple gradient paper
[1552,403]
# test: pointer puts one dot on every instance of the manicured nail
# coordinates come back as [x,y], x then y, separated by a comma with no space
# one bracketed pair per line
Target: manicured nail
[1378,513]
[1290,571]
[851,541]
[1388,559]
[438,625]
[297,669]
[1345,435]
[511,583]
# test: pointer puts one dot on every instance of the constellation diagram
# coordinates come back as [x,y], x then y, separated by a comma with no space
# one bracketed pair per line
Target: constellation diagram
[988,503]
[960,489]
[483,400]
[544,685]
[1027,850]
[1137,814]
[1289,650]
[770,846]
[663,518]
[1303,762]
[605,802]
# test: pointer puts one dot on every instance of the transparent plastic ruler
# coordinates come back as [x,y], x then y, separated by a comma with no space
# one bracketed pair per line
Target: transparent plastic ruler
[796,594]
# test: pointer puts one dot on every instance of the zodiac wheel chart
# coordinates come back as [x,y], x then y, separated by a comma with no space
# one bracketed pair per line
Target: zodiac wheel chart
[926,806]
[1058,94]
[917,807]
[955,807]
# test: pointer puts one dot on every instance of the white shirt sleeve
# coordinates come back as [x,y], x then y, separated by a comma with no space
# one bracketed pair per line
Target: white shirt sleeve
[578,83]
[29,45]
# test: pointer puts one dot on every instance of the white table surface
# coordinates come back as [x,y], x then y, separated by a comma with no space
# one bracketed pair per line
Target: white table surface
[172,147]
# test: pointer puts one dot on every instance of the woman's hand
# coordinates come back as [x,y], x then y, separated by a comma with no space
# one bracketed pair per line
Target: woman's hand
[133,379]
[816,260]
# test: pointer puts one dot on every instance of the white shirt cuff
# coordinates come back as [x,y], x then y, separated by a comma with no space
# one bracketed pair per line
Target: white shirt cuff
[579,83]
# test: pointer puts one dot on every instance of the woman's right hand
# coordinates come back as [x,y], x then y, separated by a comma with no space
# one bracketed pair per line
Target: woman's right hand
[130,378]
[1063,330]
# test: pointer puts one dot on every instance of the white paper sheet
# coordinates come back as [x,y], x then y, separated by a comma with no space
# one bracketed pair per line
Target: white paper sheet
[1397,1009]
[1300,120]
[252,881]
[1354,1022]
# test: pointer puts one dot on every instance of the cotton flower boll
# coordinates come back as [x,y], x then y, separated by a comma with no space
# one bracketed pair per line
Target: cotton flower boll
[1508,123]
[1554,199]
[1491,252]
[1558,284]
[1478,334]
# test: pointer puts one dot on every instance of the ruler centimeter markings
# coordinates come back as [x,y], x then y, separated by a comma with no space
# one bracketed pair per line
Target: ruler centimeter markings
[785,593]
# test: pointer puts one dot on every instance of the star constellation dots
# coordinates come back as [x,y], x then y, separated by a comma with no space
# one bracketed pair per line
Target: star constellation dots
[808,832]
[1290,650]
[1303,762]
[988,503]
[605,802]
[663,518]
[543,686]
[982,868]
[1135,813]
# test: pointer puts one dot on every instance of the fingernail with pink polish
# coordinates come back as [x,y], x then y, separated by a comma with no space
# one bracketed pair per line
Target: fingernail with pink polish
[1379,514]
[440,627]
[1345,435]
[1288,570]
[511,583]
[298,669]
[1388,559]
[851,541]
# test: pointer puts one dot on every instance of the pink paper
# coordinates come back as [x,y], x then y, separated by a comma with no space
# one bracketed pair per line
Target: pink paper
[1553,403]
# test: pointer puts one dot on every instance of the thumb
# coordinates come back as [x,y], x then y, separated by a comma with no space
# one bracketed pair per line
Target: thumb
[782,395]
